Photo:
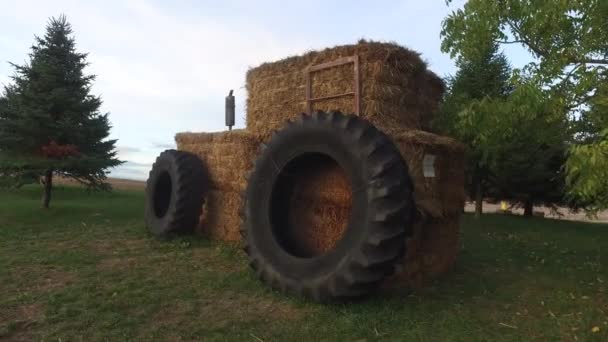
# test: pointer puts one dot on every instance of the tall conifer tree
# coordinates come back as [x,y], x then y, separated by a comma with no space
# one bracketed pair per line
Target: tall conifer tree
[50,123]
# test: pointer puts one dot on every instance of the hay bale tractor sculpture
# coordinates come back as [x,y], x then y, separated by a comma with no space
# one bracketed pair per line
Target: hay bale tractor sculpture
[326,205]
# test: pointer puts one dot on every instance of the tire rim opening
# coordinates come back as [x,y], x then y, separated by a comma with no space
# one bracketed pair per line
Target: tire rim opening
[162,194]
[310,205]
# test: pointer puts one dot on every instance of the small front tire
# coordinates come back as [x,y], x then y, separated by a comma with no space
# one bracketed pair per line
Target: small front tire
[175,193]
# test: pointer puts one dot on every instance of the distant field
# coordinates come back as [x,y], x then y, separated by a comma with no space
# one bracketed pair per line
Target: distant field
[117,183]
[87,270]
[560,214]
[127,184]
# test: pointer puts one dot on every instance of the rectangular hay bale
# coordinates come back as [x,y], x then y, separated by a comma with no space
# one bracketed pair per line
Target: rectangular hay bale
[323,205]
[221,219]
[397,89]
[443,194]
[228,155]
[431,251]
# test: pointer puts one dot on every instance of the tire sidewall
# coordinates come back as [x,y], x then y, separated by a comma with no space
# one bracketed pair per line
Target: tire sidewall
[336,144]
[159,226]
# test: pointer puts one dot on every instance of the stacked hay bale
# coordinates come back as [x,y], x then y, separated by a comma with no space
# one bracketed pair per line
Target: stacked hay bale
[228,156]
[398,95]
[397,90]
[436,166]
[439,192]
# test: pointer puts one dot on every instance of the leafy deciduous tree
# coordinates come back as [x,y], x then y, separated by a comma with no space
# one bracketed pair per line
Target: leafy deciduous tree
[481,78]
[568,40]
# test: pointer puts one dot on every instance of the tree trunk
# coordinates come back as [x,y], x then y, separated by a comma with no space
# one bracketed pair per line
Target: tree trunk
[48,185]
[478,198]
[528,208]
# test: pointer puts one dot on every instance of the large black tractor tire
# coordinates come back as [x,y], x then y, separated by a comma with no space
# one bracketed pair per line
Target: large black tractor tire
[175,193]
[382,208]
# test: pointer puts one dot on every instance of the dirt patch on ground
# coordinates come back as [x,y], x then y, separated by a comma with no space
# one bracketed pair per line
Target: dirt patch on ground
[117,264]
[110,247]
[231,309]
[43,280]
[238,307]
[211,261]
[100,247]
[16,324]
[120,255]
[173,314]
[55,279]
[30,312]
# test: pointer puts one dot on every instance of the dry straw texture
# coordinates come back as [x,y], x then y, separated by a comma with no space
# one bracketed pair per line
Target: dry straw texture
[442,195]
[398,95]
[220,219]
[228,156]
[320,207]
[321,200]
[431,251]
[397,89]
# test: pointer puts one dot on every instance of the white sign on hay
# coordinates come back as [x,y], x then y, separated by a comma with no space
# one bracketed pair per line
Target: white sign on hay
[428,165]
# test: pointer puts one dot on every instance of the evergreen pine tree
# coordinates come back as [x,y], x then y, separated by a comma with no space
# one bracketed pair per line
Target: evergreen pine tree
[514,133]
[50,123]
[484,77]
[526,149]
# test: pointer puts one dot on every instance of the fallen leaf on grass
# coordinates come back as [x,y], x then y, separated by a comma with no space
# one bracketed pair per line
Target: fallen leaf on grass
[595,329]
[378,333]
[256,338]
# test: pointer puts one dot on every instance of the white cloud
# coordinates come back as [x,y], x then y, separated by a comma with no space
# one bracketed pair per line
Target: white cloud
[157,73]
[165,67]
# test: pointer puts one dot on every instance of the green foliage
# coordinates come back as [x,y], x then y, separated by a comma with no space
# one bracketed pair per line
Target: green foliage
[568,40]
[525,147]
[519,142]
[477,81]
[49,110]
[587,169]
[515,141]
[587,164]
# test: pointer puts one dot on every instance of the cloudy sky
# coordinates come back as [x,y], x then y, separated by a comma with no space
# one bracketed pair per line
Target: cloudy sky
[163,67]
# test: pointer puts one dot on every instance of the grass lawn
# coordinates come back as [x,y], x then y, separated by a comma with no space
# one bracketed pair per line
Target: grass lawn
[87,270]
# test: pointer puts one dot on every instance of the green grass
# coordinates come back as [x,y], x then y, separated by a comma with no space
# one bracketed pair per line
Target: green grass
[87,270]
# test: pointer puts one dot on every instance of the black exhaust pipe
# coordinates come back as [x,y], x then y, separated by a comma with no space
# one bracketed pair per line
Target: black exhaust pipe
[230,110]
